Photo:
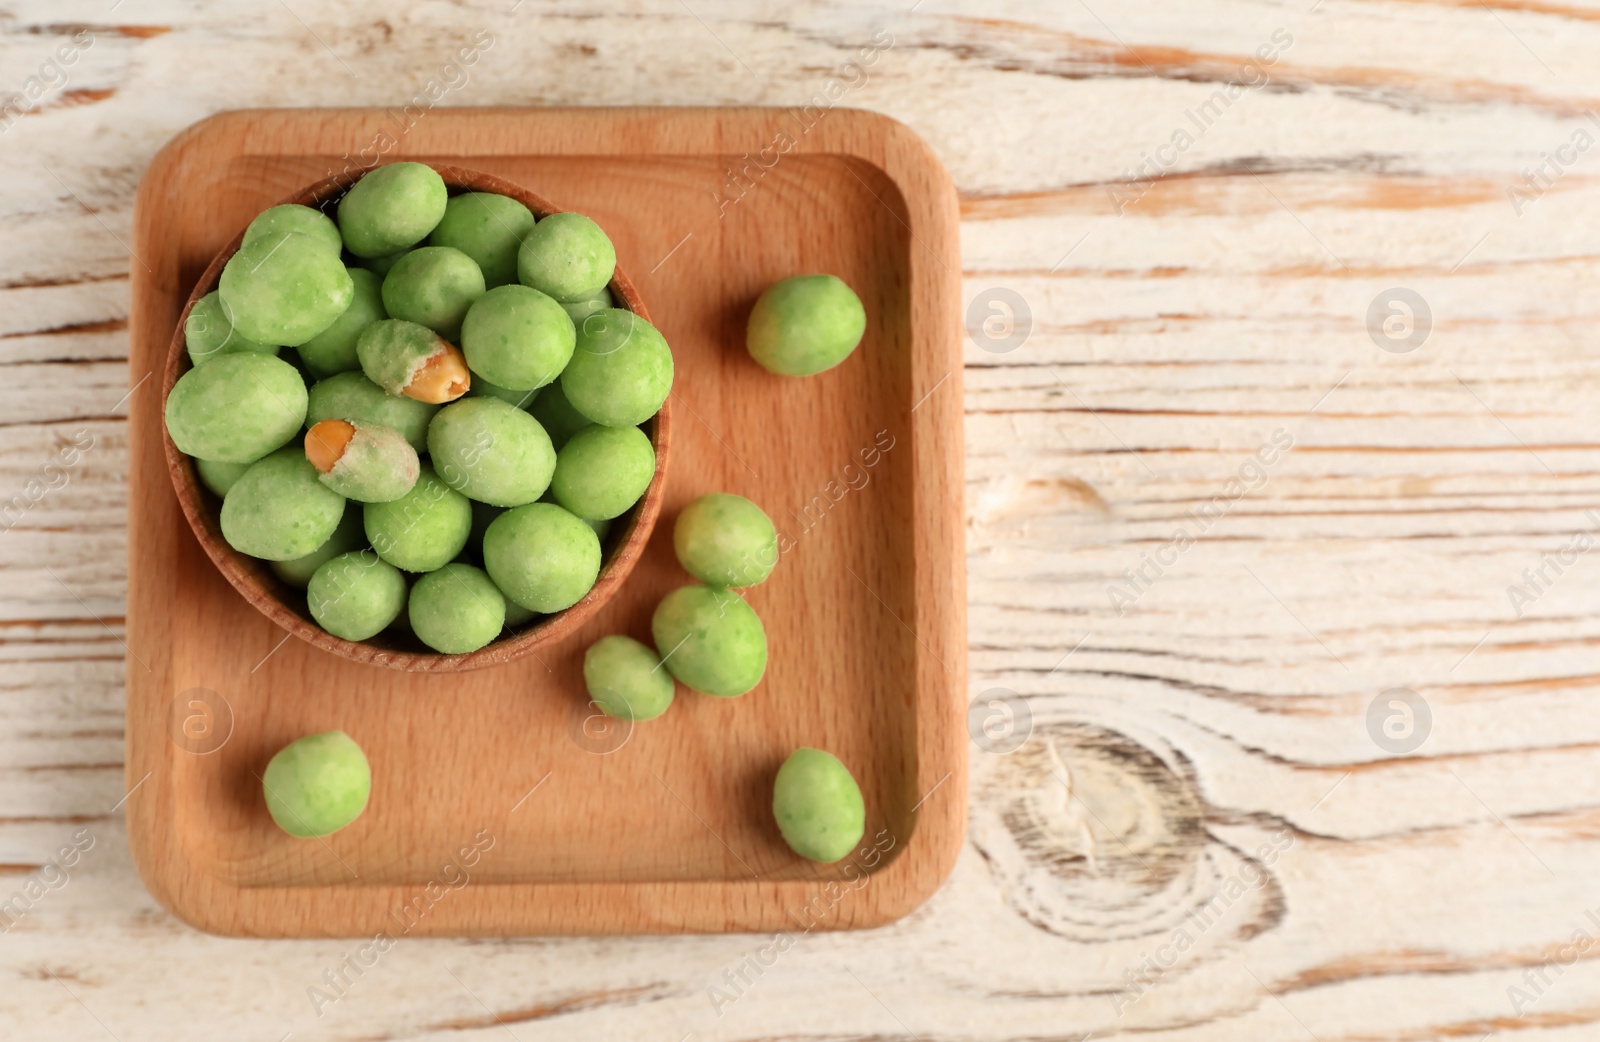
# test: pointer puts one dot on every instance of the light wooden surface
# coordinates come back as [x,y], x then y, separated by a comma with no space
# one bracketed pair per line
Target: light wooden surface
[1224,709]
[589,826]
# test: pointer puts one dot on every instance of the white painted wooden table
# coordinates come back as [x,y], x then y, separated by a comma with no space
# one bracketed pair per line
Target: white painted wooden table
[1209,832]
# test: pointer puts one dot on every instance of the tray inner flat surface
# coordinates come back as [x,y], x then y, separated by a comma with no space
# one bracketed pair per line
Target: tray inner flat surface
[685,797]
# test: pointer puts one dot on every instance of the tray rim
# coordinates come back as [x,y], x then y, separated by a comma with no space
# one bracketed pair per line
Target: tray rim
[938,555]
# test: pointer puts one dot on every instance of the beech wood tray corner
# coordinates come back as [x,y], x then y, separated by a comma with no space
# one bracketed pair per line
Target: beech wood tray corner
[499,806]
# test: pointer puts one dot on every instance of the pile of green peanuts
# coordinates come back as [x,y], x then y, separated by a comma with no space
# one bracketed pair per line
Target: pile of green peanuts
[716,645]
[424,410]
[708,638]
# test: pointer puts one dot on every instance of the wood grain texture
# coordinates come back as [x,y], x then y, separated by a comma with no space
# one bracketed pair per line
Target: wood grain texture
[1166,347]
[505,803]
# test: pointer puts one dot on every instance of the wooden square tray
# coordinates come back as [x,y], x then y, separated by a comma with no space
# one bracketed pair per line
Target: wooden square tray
[500,806]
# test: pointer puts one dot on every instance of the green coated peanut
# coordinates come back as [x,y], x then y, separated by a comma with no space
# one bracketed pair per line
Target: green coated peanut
[317,785]
[818,806]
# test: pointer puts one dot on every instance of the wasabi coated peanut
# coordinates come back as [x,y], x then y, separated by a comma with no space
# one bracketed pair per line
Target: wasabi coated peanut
[381,266]
[367,462]
[483,516]
[603,471]
[725,540]
[354,596]
[556,415]
[347,537]
[433,286]
[405,358]
[582,309]
[485,389]
[818,806]
[541,557]
[626,679]
[391,208]
[491,451]
[456,609]
[285,289]
[488,228]
[578,310]
[517,337]
[566,256]
[279,510]
[292,217]
[351,396]
[334,349]
[711,640]
[208,334]
[602,528]
[423,529]
[516,614]
[317,785]
[219,477]
[236,408]
[620,372]
[804,325]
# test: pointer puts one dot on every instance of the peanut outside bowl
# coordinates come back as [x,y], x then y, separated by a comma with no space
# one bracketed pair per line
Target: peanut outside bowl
[285,605]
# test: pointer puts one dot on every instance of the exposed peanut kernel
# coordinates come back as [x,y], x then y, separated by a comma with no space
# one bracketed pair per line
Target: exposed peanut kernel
[444,377]
[326,442]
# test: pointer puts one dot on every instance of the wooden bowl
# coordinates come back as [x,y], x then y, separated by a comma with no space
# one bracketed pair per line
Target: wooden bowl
[285,604]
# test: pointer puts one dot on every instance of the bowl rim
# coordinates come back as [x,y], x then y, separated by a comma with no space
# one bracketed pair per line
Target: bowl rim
[254,579]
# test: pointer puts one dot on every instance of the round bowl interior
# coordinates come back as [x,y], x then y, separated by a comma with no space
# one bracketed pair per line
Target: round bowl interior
[286,605]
